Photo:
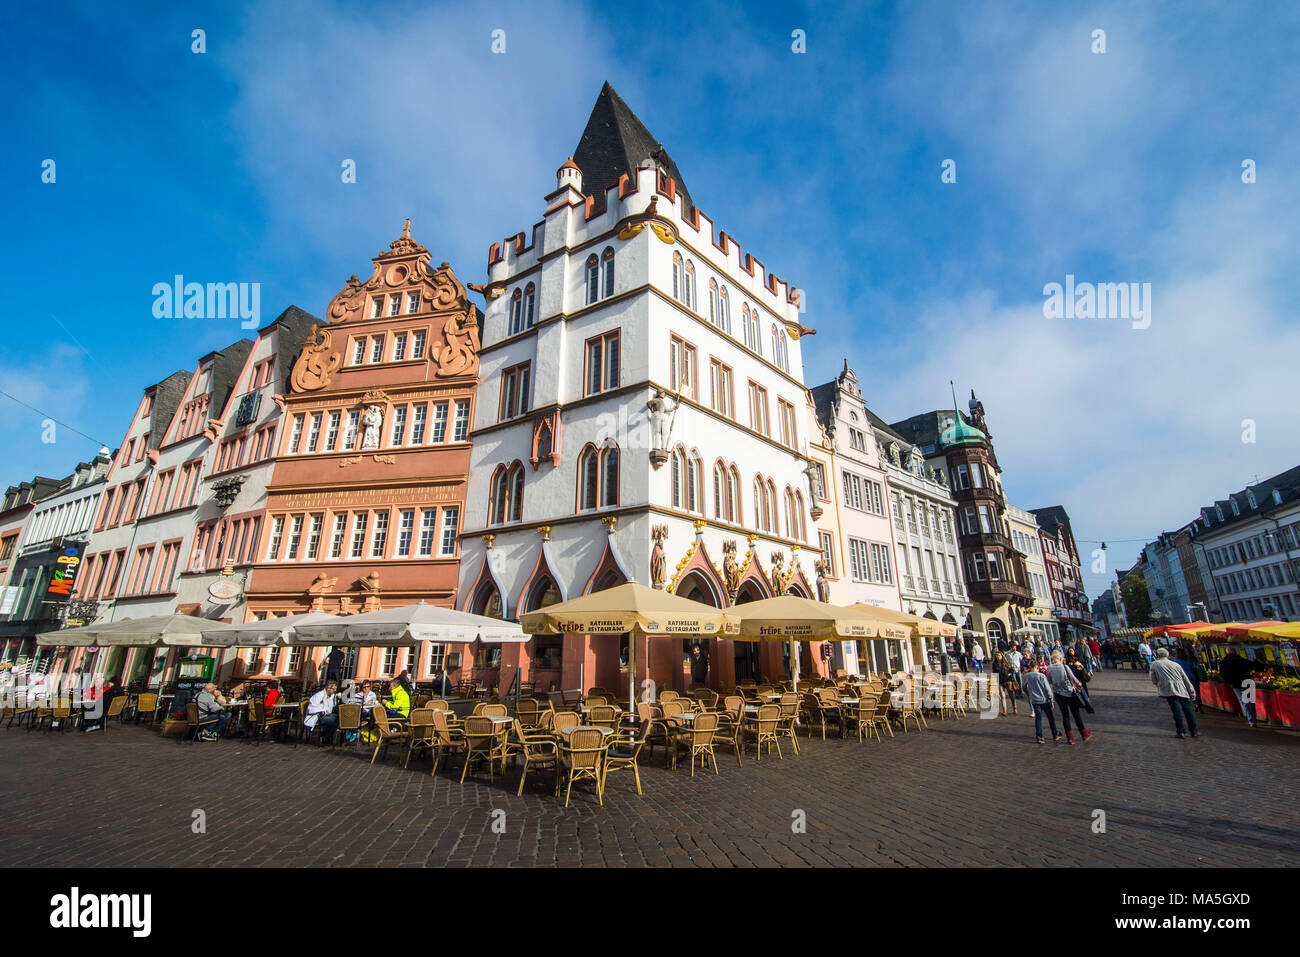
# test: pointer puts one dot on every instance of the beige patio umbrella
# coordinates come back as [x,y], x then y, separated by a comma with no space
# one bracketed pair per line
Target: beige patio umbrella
[153,631]
[265,633]
[916,624]
[791,618]
[631,608]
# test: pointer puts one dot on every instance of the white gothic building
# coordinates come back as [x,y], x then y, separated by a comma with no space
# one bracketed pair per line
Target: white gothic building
[640,418]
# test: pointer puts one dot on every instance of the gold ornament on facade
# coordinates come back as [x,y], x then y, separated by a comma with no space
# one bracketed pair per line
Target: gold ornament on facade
[545,532]
[316,365]
[488,540]
[681,566]
[610,522]
[731,571]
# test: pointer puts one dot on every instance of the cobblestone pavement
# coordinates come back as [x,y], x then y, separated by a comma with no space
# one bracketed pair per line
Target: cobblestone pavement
[967,792]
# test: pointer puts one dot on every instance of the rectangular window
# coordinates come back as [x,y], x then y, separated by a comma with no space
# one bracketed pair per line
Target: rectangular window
[399,347]
[412,303]
[450,523]
[295,435]
[828,552]
[417,344]
[428,526]
[682,366]
[313,434]
[405,529]
[376,308]
[460,431]
[336,538]
[859,560]
[379,539]
[350,435]
[852,491]
[880,563]
[399,425]
[359,534]
[785,415]
[295,535]
[758,409]
[720,391]
[418,415]
[439,422]
[359,346]
[313,537]
[376,348]
[875,501]
[514,391]
[332,431]
[602,363]
[277,531]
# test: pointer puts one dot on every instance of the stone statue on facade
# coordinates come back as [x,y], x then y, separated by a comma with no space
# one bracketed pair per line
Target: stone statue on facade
[372,421]
[660,534]
[730,567]
[778,563]
[823,586]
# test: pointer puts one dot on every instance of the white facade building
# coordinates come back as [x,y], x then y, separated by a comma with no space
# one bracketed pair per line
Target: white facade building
[640,416]
[1025,538]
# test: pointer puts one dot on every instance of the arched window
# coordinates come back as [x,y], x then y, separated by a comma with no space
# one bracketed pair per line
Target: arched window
[724,311]
[771,506]
[607,269]
[760,510]
[715,307]
[696,476]
[679,477]
[516,313]
[499,497]
[720,498]
[517,492]
[733,493]
[677,277]
[800,528]
[688,487]
[688,288]
[753,334]
[593,279]
[609,476]
[779,355]
[545,440]
[589,478]
[790,519]
[530,305]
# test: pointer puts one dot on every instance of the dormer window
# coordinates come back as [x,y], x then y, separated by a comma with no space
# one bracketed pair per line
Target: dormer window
[1235,509]
[1250,497]
[1277,497]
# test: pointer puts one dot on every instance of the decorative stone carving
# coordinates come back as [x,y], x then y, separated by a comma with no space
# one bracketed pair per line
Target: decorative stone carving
[823,586]
[778,563]
[372,421]
[730,568]
[458,355]
[660,534]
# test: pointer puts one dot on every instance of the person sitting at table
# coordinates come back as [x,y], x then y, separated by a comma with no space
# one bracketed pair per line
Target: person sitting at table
[272,695]
[398,702]
[321,711]
[366,697]
[211,705]
[95,714]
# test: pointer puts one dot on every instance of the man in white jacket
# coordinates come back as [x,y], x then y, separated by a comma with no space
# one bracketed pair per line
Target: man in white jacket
[1172,685]
[320,711]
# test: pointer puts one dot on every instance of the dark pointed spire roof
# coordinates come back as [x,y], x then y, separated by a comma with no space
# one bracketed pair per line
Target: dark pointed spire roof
[617,142]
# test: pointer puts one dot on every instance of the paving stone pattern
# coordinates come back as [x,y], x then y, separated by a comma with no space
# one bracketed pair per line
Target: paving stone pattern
[967,792]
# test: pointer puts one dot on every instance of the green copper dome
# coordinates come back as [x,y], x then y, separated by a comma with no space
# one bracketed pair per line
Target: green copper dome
[959,433]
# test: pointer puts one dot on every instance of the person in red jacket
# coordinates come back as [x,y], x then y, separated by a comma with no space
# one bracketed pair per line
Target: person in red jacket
[272,695]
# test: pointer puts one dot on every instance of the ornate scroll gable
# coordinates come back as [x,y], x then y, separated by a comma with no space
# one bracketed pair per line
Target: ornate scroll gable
[317,363]
[458,352]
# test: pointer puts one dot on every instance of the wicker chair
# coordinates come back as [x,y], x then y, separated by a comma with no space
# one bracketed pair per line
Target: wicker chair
[910,707]
[603,716]
[528,712]
[194,725]
[22,709]
[481,741]
[812,713]
[622,752]
[707,699]
[863,717]
[668,695]
[697,738]
[146,704]
[260,723]
[788,724]
[114,710]
[350,722]
[62,714]
[438,704]
[446,739]
[536,750]
[565,719]
[582,756]
[766,729]
[495,711]
[420,736]
[731,725]
[386,733]
[882,713]
[40,711]
[832,710]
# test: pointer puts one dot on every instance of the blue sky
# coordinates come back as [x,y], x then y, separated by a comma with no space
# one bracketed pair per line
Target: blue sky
[1115,167]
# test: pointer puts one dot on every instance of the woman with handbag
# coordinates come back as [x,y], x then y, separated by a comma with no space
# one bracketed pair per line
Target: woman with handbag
[1065,687]
[1008,682]
[1081,672]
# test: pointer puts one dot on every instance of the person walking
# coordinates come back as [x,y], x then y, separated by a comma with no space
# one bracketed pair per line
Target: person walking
[1235,670]
[1065,688]
[1038,690]
[1172,684]
[1094,653]
[1183,658]
[977,655]
[1076,665]
[1144,650]
[1008,681]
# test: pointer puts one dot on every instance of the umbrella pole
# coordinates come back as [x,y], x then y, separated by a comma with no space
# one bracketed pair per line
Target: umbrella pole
[631,672]
[794,665]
